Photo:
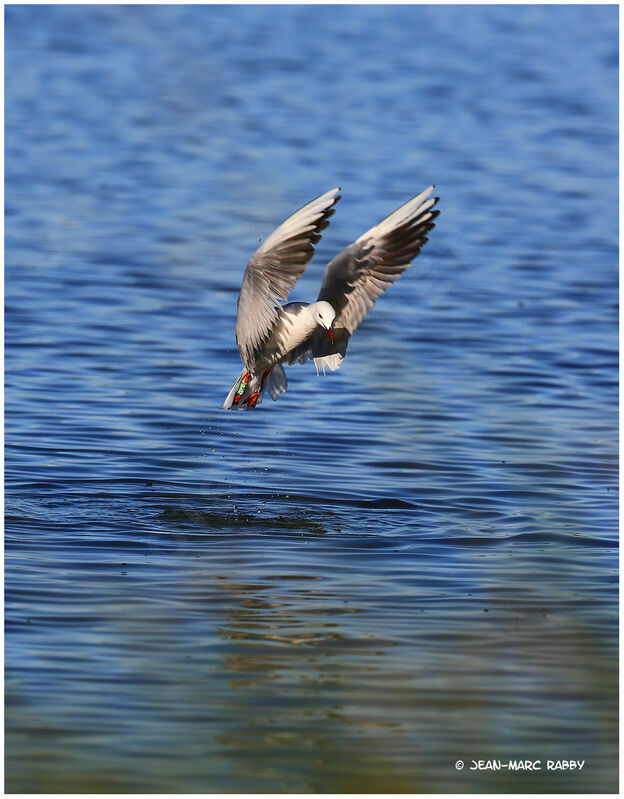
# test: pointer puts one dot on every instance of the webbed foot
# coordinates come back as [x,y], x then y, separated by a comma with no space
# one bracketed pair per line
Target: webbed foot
[252,400]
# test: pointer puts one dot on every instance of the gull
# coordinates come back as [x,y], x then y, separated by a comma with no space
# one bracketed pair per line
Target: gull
[270,334]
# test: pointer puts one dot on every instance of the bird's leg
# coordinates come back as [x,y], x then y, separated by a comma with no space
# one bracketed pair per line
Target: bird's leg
[242,388]
[264,377]
[252,399]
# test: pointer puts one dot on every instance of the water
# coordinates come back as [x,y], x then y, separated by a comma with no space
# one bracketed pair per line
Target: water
[407,563]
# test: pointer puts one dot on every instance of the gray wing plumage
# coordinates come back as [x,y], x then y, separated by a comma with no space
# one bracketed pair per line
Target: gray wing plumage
[364,270]
[274,269]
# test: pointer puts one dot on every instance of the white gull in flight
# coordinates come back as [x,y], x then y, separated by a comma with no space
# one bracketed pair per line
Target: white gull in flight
[270,335]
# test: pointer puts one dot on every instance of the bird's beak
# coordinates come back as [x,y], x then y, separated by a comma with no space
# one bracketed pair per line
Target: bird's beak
[330,334]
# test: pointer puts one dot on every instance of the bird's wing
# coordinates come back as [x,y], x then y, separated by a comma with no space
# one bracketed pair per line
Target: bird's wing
[364,270]
[274,269]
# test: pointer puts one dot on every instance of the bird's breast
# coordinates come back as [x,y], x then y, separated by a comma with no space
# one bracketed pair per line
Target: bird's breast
[293,327]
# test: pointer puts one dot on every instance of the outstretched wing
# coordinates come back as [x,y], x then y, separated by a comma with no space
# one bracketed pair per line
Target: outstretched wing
[364,270]
[274,269]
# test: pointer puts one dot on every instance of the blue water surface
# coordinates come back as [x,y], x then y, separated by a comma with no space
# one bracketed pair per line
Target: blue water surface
[406,563]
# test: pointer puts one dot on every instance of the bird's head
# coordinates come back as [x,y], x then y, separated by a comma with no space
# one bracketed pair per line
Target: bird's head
[325,315]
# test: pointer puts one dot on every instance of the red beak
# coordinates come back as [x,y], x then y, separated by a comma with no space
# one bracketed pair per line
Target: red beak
[330,334]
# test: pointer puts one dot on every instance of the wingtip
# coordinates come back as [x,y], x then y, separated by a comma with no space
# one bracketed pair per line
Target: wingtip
[426,193]
[332,195]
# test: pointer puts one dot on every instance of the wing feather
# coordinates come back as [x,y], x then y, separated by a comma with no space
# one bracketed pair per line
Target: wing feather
[274,269]
[365,269]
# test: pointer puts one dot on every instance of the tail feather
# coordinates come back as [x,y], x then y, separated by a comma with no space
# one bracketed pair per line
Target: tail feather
[241,389]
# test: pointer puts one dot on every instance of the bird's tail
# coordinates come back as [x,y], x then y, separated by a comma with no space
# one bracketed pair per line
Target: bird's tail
[244,385]
[247,391]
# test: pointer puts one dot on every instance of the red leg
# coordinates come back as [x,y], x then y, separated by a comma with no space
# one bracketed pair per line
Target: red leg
[252,399]
[264,377]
